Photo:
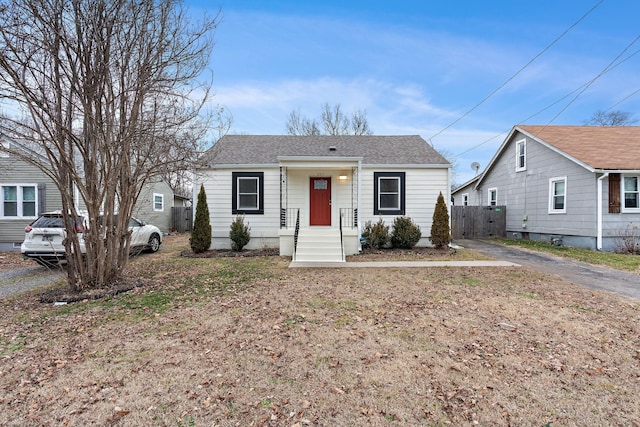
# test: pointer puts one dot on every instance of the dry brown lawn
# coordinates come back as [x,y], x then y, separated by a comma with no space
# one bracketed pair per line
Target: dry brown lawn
[247,341]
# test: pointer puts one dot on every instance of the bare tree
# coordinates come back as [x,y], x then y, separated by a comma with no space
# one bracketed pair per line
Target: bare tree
[612,118]
[298,125]
[111,96]
[334,122]
[179,175]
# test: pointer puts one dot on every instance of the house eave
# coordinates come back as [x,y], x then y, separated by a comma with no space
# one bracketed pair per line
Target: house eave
[326,162]
[631,171]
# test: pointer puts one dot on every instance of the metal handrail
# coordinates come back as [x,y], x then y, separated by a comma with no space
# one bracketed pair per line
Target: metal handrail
[295,234]
[341,240]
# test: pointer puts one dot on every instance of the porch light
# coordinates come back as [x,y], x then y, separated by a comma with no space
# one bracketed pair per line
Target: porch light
[342,177]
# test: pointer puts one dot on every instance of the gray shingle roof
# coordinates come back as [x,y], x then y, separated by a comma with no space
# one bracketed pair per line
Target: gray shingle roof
[374,149]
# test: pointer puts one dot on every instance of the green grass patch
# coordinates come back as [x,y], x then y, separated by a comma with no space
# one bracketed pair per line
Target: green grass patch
[625,262]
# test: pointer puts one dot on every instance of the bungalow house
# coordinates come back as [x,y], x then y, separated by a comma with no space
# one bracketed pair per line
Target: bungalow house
[572,185]
[309,196]
[26,192]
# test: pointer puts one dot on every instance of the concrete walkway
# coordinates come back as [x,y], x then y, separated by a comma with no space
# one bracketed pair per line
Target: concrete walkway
[384,264]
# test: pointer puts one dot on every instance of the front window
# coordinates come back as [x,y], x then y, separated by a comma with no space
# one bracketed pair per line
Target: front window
[248,193]
[521,155]
[158,202]
[557,195]
[631,192]
[19,201]
[389,193]
[492,197]
[465,199]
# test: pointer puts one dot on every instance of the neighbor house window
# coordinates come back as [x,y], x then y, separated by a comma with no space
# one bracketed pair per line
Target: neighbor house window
[248,193]
[18,201]
[521,155]
[158,202]
[492,197]
[558,195]
[388,188]
[631,195]
[465,199]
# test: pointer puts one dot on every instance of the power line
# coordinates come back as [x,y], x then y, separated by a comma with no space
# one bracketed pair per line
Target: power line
[604,70]
[580,89]
[519,71]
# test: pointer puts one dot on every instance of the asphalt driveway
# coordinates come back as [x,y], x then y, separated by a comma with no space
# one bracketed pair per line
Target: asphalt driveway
[591,276]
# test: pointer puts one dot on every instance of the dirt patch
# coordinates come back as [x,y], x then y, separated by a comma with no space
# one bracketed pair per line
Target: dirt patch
[64,295]
[247,341]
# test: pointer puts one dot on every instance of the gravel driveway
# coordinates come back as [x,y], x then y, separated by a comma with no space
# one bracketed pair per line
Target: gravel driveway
[20,280]
[580,273]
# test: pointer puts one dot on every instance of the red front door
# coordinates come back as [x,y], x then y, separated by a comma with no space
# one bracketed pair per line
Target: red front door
[320,201]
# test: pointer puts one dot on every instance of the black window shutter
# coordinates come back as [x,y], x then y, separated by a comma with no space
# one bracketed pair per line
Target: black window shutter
[42,198]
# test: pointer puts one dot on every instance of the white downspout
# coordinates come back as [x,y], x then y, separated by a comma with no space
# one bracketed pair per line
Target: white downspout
[599,204]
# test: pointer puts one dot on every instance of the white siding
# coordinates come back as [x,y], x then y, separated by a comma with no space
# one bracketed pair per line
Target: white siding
[264,227]
[422,187]
[298,191]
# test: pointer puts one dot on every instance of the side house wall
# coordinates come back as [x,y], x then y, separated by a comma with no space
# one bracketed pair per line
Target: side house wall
[526,194]
[617,227]
[18,172]
[146,208]
[474,196]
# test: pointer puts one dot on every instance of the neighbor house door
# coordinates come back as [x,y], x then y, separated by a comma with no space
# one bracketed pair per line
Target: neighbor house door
[320,201]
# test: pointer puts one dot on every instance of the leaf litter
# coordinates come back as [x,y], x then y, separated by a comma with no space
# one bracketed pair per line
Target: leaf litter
[251,342]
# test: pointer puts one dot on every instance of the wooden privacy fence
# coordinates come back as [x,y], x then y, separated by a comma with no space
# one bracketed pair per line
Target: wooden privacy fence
[478,222]
[181,219]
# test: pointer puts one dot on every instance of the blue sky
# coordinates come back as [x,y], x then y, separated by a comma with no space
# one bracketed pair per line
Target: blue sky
[416,67]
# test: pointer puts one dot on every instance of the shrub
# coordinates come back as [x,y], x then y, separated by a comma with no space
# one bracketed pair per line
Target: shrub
[405,233]
[200,239]
[440,232]
[628,240]
[377,235]
[240,234]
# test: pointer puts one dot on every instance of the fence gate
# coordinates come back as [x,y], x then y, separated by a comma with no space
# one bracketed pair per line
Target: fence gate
[478,222]
[181,219]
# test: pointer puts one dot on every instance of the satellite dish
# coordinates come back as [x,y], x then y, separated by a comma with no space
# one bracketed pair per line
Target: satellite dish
[475,166]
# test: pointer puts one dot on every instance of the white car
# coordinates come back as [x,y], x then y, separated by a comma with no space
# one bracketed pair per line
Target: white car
[43,238]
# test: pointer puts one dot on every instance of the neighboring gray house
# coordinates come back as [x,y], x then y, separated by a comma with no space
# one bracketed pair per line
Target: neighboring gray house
[154,204]
[26,192]
[465,195]
[575,185]
[309,196]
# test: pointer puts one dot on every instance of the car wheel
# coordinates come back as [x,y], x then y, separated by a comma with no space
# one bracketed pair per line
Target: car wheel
[154,243]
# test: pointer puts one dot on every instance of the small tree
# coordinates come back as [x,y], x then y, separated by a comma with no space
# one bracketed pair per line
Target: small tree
[405,233]
[240,234]
[376,235]
[200,239]
[440,232]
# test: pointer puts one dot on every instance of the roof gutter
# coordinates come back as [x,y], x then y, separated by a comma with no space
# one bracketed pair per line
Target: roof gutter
[599,203]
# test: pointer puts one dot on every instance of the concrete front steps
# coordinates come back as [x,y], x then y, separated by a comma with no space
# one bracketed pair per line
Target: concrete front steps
[318,244]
